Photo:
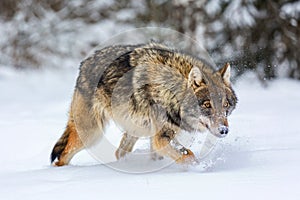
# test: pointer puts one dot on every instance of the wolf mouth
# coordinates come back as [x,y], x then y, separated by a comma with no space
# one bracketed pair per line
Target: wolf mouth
[212,132]
[205,125]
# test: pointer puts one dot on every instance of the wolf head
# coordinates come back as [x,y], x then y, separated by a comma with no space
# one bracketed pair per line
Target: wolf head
[215,100]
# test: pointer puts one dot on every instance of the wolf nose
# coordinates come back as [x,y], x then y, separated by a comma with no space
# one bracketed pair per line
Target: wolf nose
[223,130]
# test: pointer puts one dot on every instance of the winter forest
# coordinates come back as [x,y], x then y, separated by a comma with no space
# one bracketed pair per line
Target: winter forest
[42,43]
[261,36]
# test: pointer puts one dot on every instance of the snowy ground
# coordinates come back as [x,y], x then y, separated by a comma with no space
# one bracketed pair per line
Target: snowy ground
[260,159]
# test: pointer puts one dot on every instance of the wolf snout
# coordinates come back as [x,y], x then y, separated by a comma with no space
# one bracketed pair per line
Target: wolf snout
[223,130]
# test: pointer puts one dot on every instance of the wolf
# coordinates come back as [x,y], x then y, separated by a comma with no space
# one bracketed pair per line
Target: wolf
[149,90]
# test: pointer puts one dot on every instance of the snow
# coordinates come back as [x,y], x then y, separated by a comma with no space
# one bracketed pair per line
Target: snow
[239,15]
[291,9]
[258,160]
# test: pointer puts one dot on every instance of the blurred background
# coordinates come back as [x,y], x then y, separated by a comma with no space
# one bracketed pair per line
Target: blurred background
[260,36]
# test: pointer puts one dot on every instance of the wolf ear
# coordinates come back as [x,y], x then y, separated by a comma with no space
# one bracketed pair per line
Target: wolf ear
[195,77]
[225,73]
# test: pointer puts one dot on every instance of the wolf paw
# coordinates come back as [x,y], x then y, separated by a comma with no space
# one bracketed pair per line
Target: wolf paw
[187,157]
[58,163]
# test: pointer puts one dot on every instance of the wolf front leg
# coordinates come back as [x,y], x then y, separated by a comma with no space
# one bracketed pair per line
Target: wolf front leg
[126,145]
[154,154]
[162,145]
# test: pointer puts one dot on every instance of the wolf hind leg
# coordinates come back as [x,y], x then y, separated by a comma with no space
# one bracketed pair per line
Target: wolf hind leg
[83,130]
[126,145]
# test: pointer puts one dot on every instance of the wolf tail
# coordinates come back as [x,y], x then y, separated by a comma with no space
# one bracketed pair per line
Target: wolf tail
[67,145]
[60,145]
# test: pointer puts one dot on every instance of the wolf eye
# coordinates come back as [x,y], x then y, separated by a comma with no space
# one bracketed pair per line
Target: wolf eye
[206,104]
[226,104]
